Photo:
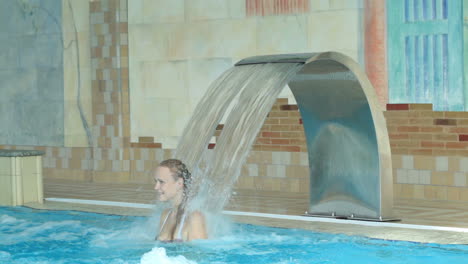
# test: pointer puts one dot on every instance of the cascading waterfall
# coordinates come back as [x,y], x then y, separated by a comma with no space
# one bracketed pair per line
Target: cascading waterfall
[209,111]
[207,115]
[214,173]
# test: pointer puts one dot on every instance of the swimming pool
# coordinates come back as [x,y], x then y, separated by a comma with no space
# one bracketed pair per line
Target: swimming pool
[41,236]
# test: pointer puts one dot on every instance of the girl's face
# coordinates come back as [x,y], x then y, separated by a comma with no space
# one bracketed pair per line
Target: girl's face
[167,188]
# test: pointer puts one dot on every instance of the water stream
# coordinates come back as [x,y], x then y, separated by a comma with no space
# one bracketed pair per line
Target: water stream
[252,91]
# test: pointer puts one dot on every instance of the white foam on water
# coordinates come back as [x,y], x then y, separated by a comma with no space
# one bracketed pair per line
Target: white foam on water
[4,256]
[240,240]
[158,255]
[29,231]
[138,232]
[6,219]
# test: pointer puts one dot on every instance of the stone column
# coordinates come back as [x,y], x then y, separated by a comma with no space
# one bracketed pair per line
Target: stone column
[20,177]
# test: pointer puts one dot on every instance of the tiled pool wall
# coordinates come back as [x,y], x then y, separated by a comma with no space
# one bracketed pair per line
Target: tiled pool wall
[430,155]
[429,152]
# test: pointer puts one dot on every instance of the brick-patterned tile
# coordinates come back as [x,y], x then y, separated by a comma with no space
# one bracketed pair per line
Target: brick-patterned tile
[445,122]
[395,107]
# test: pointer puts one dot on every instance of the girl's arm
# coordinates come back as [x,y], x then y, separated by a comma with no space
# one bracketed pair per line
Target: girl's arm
[197,226]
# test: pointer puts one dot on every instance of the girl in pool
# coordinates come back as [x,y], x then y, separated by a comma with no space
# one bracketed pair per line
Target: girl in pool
[172,181]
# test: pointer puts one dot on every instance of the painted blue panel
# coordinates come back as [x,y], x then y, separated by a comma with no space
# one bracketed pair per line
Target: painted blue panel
[31,73]
[439,10]
[428,67]
[438,71]
[445,98]
[416,9]
[444,9]
[419,94]
[425,9]
[409,10]
[425,53]
[410,68]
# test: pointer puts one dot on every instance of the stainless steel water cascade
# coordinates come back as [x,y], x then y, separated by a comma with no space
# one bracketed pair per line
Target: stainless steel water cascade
[347,140]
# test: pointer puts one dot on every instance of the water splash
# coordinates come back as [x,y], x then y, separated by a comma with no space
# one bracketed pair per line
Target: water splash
[158,255]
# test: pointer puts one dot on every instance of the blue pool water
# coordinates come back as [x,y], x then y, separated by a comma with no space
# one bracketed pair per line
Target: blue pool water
[39,236]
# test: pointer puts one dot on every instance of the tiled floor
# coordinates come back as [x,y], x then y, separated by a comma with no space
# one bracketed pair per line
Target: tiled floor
[411,212]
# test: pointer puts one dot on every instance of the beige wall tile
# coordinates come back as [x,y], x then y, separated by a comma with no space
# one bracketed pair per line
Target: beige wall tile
[413,176]
[442,163]
[6,192]
[435,192]
[463,192]
[281,158]
[248,182]
[262,157]
[425,176]
[304,158]
[252,169]
[418,192]
[143,38]
[223,39]
[162,11]
[168,153]
[295,158]
[135,11]
[338,30]
[276,185]
[345,4]
[79,20]
[207,10]
[460,179]
[454,163]
[464,164]
[5,166]
[164,79]
[442,178]
[319,5]
[408,162]
[174,40]
[236,8]
[397,190]
[453,193]
[407,191]
[278,171]
[201,73]
[304,186]
[424,162]
[282,34]
[397,162]
[294,185]
[301,172]
[181,109]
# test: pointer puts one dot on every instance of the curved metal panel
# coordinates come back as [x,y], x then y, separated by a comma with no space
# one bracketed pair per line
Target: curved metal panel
[280,58]
[347,138]
[349,153]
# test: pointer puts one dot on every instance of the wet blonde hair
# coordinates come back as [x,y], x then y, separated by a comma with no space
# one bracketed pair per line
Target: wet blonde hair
[179,170]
